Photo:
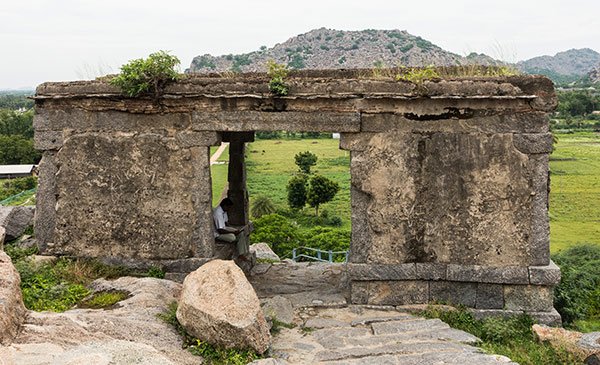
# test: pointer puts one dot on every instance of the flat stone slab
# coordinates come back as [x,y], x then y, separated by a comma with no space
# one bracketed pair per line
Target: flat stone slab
[367,335]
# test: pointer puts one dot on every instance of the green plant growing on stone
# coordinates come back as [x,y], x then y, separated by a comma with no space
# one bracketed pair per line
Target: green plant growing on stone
[155,272]
[277,72]
[147,76]
[418,75]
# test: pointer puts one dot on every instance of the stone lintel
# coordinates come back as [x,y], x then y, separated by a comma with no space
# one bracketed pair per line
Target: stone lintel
[544,275]
[239,121]
[533,143]
[187,139]
[532,122]
[488,274]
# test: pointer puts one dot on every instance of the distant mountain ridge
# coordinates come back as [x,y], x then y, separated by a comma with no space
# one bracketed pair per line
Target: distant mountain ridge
[333,49]
[563,67]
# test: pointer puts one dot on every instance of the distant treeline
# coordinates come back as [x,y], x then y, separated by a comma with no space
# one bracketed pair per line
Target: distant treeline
[16,129]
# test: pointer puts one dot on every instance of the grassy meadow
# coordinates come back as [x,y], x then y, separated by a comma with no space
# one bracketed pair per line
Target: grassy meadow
[270,164]
[575,190]
[574,197]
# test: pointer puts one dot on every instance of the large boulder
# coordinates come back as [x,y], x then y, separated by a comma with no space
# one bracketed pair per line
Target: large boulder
[12,310]
[15,220]
[218,305]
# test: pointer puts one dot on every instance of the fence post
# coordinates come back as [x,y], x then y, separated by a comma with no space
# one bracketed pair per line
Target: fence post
[294,254]
[330,256]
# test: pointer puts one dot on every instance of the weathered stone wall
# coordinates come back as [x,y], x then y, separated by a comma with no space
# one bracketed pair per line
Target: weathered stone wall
[449,177]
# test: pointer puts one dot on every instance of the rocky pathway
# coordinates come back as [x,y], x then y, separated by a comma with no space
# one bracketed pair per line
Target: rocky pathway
[360,335]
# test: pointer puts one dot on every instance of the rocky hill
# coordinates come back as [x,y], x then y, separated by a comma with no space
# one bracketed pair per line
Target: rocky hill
[328,48]
[564,67]
[594,74]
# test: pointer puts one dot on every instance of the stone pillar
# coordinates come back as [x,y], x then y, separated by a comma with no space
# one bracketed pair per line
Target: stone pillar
[237,176]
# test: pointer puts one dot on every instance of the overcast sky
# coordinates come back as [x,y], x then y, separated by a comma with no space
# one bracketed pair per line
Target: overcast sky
[57,40]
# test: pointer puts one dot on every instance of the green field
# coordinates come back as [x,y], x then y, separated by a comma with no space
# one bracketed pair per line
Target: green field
[270,164]
[218,174]
[575,190]
[575,180]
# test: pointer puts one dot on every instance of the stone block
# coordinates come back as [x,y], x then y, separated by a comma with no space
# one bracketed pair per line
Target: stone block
[530,298]
[45,216]
[488,274]
[359,292]
[48,140]
[490,296]
[550,318]
[533,143]
[544,275]
[382,272]
[431,271]
[453,292]
[187,139]
[398,292]
[539,240]
[15,220]
[184,265]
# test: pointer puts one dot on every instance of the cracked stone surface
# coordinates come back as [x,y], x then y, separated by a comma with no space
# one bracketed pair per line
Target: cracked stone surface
[361,335]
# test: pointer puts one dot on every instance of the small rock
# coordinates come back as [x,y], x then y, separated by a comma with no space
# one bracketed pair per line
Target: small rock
[12,310]
[278,308]
[39,260]
[27,241]
[15,220]
[269,361]
[218,305]
[590,341]
[263,252]
[593,359]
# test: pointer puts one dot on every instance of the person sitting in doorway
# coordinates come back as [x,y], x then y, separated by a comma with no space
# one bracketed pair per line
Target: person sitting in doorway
[226,233]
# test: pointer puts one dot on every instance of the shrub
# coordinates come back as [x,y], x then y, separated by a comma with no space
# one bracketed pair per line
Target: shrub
[262,205]
[328,238]
[103,299]
[149,75]
[576,297]
[278,232]
[15,150]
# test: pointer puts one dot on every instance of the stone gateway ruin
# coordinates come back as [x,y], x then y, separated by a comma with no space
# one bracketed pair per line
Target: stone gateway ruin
[449,177]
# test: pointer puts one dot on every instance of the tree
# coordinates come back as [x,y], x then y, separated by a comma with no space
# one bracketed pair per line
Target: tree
[320,190]
[305,160]
[262,205]
[296,189]
[15,150]
[147,75]
[14,122]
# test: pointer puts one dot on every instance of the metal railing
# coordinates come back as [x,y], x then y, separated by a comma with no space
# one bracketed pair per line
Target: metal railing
[329,254]
[17,196]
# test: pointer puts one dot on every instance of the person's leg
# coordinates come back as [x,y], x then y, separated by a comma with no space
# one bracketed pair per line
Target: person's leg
[226,237]
[242,244]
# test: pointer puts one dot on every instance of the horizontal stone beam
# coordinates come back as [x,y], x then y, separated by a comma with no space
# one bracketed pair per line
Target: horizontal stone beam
[517,275]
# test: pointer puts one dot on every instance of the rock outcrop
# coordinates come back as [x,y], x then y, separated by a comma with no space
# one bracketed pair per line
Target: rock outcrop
[15,220]
[128,333]
[218,305]
[12,310]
